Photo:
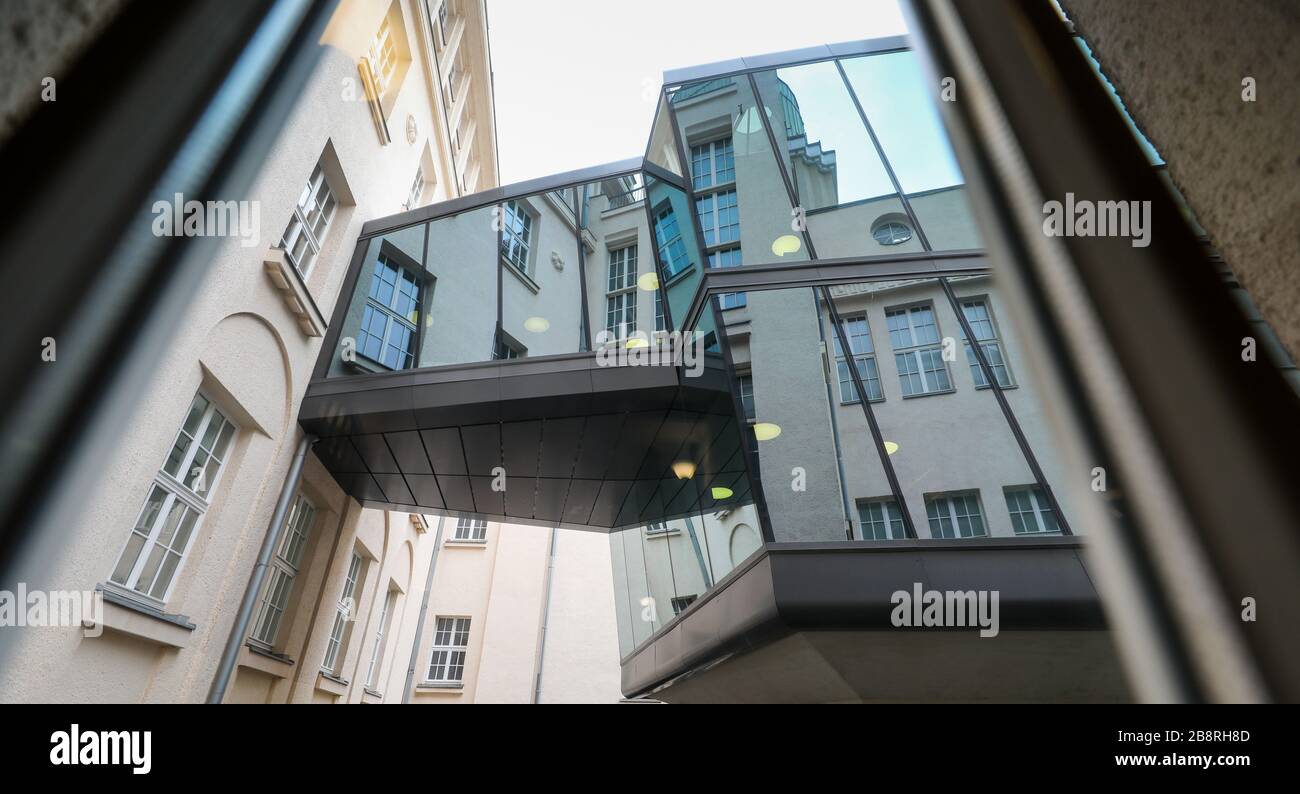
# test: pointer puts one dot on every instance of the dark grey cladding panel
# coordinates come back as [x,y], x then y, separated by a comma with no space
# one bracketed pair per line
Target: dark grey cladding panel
[633,442]
[374,451]
[580,501]
[338,455]
[362,487]
[456,492]
[550,499]
[482,448]
[669,445]
[609,502]
[445,451]
[642,504]
[598,440]
[520,495]
[362,411]
[521,444]
[394,488]
[487,500]
[680,496]
[408,450]
[719,438]
[424,487]
[561,440]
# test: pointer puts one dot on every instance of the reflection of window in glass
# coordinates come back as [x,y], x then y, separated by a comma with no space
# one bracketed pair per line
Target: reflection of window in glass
[719,217]
[955,515]
[302,238]
[682,602]
[661,321]
[917,351]
[284,569]
[668,236]
[881,519]
[746,384]
[712,164]
[859,336]
[342,614]
[450,641]
[620,300]
[728,257]
[177,500]
[1030,511]
[891,233]
[471,529]
[516,236]
[657,528]
[388,325]
[504,350]
[981,323]
[417,190]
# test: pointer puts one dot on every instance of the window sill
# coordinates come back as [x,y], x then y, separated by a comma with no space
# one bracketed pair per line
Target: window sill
[662,534]
[873,402]
[523,277]
[440,686]
[679,276]
[266,661]
[928,394]
[1004,388]
[125,615]
[331,684]
[293,290]
[478,544]
[369,695]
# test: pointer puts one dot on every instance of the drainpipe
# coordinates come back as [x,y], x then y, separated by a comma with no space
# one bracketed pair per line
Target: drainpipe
[424,610]
[546,617]
[221,680]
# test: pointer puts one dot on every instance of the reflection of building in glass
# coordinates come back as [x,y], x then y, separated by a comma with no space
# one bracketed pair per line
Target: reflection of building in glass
[810,225]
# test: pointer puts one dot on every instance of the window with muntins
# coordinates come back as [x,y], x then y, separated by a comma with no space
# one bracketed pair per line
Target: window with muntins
[986,333]
[390,321]
[343,613]
[470,529]
[1031,514]
[858,333]
[450,641]
[668,236]
[955,515]
[177,501]
[917,350]
[728,257]
[284,569]
[881,519]
[516,235]
[311,218]
[620,299]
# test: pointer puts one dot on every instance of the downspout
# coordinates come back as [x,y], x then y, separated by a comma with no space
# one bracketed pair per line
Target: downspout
[424,610]
[221,680]
[546,617]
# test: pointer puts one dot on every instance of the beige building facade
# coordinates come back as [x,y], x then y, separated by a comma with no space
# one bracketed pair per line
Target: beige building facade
[397,114]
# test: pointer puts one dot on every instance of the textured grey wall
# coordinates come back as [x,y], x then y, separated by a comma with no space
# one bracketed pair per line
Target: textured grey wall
[1178,65]
[38,39]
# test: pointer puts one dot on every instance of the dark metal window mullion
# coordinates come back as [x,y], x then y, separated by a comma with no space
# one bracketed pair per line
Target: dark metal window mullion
[579,224]
[890,475]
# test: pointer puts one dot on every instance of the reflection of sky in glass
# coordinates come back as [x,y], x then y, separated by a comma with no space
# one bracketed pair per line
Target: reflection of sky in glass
[899,102]
[830,118]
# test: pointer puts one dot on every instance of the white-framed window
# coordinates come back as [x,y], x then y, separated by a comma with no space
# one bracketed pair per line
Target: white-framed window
[661,321]
[891,233]
[516,235]
[673,256]
[303,237]
[503,350]
[442,22]
[981,322]
[1031,513]
[955,515]
[719,217]
[178,498]
[746,384]
[881,519]
[381,631]
[450,641]
[858,333]
[383,57]
[659,528]
[620,292]
[728,257]
[284,569]
[390,321]
[713,163]
[917,350]
[680,603]
[343,614]
[416,192]
[470,529]
[454,76]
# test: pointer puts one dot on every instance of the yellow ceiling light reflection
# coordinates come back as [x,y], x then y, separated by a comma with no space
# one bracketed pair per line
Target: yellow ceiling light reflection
[684,469]
[649,282]
[786,244]
[637,341]
[766,431]
[890,447]
[537,325]
[720,493]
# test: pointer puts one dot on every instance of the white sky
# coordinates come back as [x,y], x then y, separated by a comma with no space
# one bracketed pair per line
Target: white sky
[576,80]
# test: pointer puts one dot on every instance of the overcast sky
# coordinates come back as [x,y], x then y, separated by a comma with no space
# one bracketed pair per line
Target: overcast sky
[576,80]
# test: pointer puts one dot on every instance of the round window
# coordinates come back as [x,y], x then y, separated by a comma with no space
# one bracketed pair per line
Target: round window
[891,233]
